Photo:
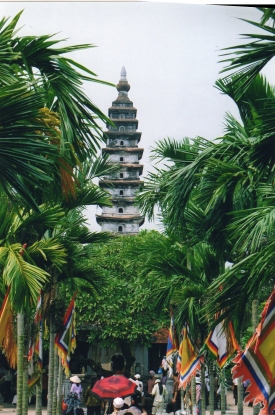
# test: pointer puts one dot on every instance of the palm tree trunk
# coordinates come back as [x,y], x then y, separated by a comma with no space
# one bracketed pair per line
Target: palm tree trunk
[223,394]
[193,396]
[255,322]
[38,394]
[203,400]
[38,389]
[240,397]
[187,399]
[211,392]
[25,400]
[55,381]
[20,359]
[51,366]
[60,388]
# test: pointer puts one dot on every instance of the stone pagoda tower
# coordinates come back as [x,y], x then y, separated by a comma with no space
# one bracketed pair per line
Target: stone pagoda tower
[122,148]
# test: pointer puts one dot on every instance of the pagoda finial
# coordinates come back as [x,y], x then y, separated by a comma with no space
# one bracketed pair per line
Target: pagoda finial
[123,74]
[123,87]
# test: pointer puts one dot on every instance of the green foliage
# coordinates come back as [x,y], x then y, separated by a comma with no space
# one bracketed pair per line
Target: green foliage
[48,125]
[123,310]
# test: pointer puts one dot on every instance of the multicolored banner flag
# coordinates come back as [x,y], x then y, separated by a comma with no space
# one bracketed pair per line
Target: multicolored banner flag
[222,343]
[172,347]
[188,359]
[7,337]
[65,340]
[257,362]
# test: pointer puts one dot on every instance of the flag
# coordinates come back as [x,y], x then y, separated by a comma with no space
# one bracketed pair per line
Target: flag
[221,342]
[172,347]
[257,362]
[34,380]
[65,340]
[188,359]
[7,337]
[5,314]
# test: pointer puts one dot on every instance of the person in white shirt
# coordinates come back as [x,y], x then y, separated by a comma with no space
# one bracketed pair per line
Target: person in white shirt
[159,393]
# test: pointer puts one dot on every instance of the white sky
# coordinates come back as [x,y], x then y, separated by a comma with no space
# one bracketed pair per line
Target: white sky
[170,52]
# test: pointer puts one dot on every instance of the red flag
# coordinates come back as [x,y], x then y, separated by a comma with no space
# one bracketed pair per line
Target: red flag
[65,340]
[257,362]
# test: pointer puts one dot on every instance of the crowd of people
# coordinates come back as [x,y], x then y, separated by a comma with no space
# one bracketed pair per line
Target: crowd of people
[149,398]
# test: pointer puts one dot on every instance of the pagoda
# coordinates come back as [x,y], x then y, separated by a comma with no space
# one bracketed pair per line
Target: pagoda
[122,148]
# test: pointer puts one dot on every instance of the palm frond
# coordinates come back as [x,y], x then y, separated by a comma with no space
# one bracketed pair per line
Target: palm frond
[26,280]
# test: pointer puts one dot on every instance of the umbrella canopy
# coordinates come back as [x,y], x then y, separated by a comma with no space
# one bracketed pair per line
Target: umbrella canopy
[113,387]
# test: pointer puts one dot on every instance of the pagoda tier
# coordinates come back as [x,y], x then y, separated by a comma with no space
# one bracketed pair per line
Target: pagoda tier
[122,149]
[115,137]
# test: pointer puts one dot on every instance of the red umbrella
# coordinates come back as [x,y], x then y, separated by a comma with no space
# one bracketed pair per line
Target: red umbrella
[116,386]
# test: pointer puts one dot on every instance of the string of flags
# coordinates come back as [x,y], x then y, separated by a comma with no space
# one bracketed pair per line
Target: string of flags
[65,340]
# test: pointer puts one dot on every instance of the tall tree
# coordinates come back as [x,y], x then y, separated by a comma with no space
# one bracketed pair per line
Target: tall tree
[122,313]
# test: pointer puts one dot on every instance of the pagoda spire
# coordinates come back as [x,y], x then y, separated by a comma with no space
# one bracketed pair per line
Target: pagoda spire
[123,74]
[123,87]
[122,148]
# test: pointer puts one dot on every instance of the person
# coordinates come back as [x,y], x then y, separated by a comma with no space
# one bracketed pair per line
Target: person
[235,390]
[118,404]
[176,400]
[151,382]
[93,403]
[146,405]
[76,386]
[117,364]
[207,388]
[73,404]
[139,383]
[159,392]
[136,398]
[165,370]
[216,395]
[198,395]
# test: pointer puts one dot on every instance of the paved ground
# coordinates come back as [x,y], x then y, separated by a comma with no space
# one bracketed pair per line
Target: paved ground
[231,408]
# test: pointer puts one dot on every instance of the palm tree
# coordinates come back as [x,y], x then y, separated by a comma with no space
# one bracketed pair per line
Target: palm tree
[183,275]
[247,60]
[42,103]
[48,130]
[21,274]
[212,187]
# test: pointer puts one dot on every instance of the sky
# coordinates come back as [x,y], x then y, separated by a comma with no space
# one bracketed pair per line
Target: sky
[171,52]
